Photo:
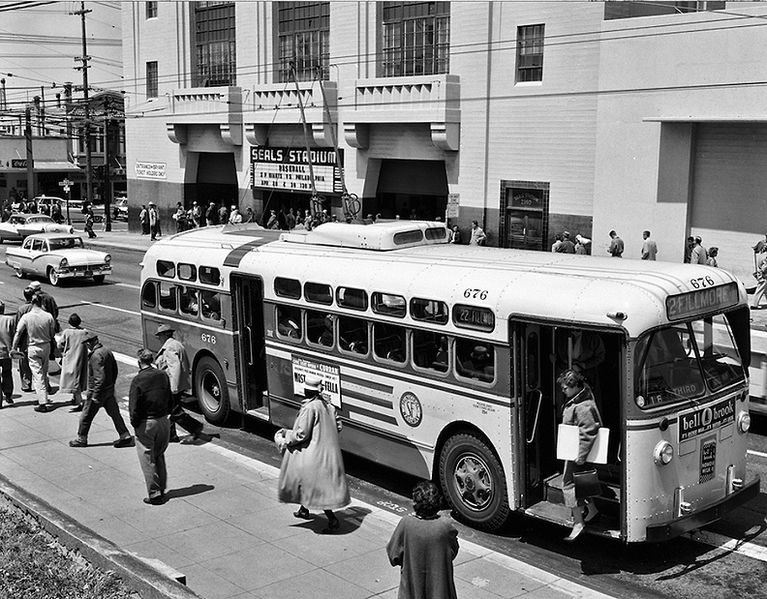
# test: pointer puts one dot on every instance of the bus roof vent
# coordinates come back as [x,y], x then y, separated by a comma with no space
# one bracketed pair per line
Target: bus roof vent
[391,235]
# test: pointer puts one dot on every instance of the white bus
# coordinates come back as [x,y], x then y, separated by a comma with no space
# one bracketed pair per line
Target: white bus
[443,361]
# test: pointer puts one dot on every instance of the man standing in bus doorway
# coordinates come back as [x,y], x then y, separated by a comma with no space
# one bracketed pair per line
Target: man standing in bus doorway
[102,375]
[649,247]
[616,245]
[149,404]
[173,361]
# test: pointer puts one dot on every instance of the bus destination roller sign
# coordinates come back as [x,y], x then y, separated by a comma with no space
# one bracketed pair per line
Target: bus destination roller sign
[288,169]
[701,301]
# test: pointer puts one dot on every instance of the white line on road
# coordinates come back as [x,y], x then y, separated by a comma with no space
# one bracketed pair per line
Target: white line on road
[729,544]
[100,305]
[128,285]
[759,454]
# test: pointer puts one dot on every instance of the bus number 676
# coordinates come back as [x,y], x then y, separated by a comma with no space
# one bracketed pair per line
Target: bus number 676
[208,338]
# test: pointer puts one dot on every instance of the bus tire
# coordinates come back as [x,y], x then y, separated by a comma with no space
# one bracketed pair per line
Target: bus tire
[211,390]
[473,481]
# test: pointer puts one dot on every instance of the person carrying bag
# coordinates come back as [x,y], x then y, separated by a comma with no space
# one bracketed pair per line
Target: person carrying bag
[579,478]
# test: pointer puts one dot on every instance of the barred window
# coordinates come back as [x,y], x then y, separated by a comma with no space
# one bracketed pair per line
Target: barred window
[530,53]
[215,58]
[151,9]
[416,38]
[151,80]
[303,40]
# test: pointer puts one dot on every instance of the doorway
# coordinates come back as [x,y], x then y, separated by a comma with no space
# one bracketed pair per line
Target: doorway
[250,352]
[525,211]
[216,181]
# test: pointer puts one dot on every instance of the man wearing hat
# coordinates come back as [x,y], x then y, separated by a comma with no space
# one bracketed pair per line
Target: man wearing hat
[196,213]
[102,374]
[37,328]
[172,360]
[25,374]
[698,254]
[149,405]
[235,218]
[47,302]
[211,215]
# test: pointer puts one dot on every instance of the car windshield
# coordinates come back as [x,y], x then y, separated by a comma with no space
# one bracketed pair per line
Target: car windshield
[65,243]
[40,219]
[683,360]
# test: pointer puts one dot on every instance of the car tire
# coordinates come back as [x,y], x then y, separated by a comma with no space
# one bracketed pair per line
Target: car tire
[98,279]
[211,390]
[53,278]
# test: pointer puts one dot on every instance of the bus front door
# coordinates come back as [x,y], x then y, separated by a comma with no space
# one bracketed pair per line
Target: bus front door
[247,293]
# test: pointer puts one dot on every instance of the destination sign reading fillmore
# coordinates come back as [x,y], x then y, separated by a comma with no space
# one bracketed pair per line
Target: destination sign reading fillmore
[287,169]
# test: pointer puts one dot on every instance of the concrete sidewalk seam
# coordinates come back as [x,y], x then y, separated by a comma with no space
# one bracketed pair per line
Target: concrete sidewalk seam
[143,578]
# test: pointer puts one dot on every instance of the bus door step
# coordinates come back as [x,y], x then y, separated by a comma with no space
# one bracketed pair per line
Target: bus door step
[557,513]
[262,413]
[553,489]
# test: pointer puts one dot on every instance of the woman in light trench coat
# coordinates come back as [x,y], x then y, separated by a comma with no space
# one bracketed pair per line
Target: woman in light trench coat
[312,472]
[74,362]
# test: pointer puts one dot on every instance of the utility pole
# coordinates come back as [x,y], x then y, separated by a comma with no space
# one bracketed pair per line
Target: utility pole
[30,157]
[87,124]
[107,181]
[68,112]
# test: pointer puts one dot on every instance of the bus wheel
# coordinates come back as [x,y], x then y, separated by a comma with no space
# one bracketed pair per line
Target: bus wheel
[210,388]
[472,478]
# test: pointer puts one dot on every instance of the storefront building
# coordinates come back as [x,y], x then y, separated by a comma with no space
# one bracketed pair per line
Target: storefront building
[50,165]
[531,118]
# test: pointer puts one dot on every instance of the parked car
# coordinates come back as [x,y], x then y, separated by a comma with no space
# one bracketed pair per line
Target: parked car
[76,214]
[120,209]
[58,256]
[18,226]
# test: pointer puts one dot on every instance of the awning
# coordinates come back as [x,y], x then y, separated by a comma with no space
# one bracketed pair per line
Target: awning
[691,118]
[48,166]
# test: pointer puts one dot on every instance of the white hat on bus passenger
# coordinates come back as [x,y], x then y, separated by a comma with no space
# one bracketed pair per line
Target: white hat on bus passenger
[312,382]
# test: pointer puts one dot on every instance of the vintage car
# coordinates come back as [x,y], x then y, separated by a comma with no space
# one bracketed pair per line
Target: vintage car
[58,256]
[120,209]
[18,226]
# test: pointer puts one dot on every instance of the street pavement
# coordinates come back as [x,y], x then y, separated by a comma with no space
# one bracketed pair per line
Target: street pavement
[223,528]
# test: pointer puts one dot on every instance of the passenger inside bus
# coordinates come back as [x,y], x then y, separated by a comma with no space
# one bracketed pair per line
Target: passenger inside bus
[288,320]
[353,334]
[211,305]
[583,351]
[430,350]
[319,328]
[188,300]
[389,342]
[477,362]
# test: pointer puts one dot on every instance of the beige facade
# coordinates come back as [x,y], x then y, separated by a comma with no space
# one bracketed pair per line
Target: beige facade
[610,138]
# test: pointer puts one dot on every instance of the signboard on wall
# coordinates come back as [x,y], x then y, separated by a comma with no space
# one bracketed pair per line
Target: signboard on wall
[150,170]
[453,205]
[287,169]
[18,163]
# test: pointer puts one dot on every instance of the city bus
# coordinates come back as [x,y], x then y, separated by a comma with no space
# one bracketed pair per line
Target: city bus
[442,360]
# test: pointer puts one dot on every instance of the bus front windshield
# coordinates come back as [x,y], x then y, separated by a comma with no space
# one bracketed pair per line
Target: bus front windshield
[684,360]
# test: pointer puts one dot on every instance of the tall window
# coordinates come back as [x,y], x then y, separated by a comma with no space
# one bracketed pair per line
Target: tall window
[151,10]
[416,38]
[215,59]
[530,53]
[303,34]
[151,79]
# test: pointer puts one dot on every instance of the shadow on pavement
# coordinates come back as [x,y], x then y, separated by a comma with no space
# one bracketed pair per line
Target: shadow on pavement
[187,491]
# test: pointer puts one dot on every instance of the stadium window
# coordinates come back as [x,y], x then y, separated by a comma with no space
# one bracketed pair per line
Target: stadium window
[303,34]
[214,43]
[151,10]
[416,38]
[151,79]
[529,53]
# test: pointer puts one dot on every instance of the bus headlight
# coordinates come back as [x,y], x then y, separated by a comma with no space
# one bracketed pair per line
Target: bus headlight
[663,453]
[63,264]
[744,422]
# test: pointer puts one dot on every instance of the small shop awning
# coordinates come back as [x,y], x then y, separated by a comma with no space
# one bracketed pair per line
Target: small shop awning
[48,166]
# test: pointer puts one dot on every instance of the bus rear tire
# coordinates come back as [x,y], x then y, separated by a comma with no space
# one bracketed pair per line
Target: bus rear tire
[473,481]
[211,390]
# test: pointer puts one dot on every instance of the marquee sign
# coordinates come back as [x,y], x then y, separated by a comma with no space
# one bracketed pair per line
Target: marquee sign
[287,169]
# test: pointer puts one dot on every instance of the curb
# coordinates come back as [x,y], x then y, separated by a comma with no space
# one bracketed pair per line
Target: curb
[143,578]
[116,245]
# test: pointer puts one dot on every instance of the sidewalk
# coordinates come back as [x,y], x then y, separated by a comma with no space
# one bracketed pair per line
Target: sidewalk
[222,526]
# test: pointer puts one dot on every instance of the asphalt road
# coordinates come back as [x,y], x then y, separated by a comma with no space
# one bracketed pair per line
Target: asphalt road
[681,568]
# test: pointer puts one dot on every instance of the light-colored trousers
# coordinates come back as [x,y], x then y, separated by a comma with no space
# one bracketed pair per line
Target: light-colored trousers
[38,364]
[151,442]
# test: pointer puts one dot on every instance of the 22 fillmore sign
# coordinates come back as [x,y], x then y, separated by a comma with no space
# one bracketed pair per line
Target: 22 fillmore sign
[287,169]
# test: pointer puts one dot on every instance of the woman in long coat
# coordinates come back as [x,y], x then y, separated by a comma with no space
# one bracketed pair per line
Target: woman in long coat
[312,472]
[74,362]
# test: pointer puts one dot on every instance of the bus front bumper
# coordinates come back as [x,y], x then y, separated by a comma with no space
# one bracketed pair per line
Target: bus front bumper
[678,526]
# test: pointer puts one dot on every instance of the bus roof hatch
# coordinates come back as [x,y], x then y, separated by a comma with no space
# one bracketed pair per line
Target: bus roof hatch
[392,235]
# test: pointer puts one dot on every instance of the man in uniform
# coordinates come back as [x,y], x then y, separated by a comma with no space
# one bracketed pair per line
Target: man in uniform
[37,328]
[102,374]
[172,360]
[7,331]
[149,405]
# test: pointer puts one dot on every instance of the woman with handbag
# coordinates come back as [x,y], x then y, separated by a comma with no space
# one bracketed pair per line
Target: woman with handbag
[312,471]
[580,410]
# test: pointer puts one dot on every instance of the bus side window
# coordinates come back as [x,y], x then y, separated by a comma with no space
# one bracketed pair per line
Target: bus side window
[389,342]
[149,295]
[319,328]
[353,335]
[289,322]
[210,304]
[475,360]
[167,297]
[430,350]
[188,301]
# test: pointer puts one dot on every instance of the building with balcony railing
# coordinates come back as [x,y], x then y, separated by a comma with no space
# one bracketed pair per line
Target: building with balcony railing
[530,118]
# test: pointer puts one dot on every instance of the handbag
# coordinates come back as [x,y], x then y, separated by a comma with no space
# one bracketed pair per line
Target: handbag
[586,484]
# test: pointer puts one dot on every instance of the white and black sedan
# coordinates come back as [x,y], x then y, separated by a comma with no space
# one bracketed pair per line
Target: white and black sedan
[58,256]
[19,226]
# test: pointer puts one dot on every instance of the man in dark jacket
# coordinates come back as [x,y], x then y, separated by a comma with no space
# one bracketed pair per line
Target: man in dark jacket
[7,331]
[149,406]
[102,374]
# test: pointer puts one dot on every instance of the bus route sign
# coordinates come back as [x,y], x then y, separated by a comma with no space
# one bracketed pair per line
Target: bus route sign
[701,301]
